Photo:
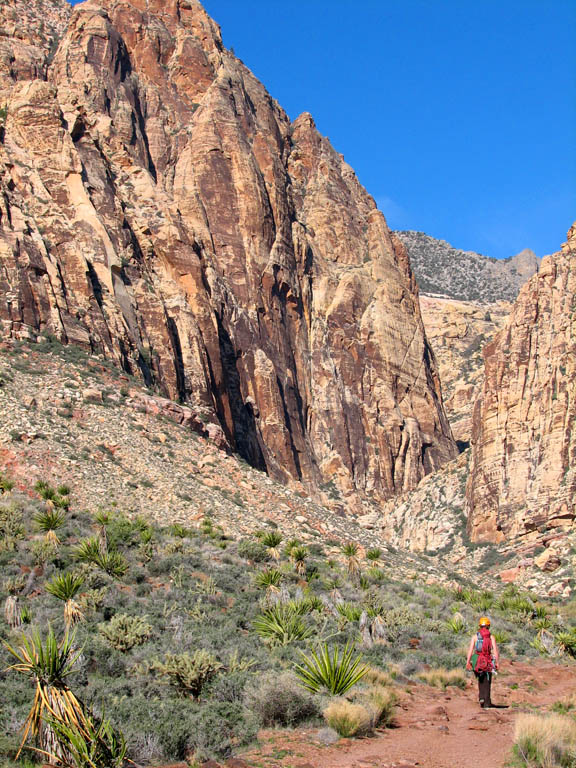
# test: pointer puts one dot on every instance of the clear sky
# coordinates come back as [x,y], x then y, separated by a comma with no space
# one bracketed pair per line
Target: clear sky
[459,116]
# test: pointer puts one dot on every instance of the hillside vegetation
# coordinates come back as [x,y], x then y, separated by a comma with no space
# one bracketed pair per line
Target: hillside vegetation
[446,271]
[190,640]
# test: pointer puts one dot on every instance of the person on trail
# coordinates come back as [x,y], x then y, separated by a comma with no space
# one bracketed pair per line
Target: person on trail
[483,658]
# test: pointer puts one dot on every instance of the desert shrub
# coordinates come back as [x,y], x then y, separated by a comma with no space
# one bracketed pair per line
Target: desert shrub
[441,678]
[376,676]
[547,741]
[380,703]
[253,551]
[563,706]
[229,688]
[347,719]
[218,728]
[124,632]
[11,521]
[396,620]
[189,672]
[279,700]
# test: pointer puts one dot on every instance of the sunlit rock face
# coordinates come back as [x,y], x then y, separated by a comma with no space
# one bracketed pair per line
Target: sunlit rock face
[160,208]
[523,474]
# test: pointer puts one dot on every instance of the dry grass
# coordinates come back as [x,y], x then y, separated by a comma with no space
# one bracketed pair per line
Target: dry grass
[441,678]
[545,741]
[380,702]
[348,719]
[375,676]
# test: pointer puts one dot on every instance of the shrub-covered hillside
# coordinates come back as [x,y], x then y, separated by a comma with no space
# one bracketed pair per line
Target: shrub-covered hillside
[466,275]
[188,640]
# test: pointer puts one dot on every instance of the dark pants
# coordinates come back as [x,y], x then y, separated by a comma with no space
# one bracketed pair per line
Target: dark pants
[484,683]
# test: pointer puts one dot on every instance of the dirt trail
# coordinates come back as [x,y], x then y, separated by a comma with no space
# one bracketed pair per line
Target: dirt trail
[435,729]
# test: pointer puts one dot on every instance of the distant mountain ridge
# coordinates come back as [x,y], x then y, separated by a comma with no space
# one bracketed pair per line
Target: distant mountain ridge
[465,275]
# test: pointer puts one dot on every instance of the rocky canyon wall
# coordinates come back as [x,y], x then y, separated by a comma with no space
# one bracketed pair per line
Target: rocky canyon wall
[158,207]
[522,476]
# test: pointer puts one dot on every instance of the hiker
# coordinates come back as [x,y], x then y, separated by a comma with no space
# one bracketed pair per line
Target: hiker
[483,658]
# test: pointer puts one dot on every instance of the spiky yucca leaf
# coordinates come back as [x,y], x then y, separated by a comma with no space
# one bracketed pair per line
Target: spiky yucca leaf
[272,540]
[49,520]
[298,555]
[90,745]
[281,624]
[349,611]
[65,587]
[269,579]
[350,551]
[329,670]
[374,554]
[48,663]
[88,550]
[113,563]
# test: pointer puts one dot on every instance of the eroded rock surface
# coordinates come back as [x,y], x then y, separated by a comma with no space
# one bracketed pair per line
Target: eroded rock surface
[457,332]
[158,207]
[523,479]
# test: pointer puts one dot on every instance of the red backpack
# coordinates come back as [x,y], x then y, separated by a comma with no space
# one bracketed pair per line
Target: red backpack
[483,651]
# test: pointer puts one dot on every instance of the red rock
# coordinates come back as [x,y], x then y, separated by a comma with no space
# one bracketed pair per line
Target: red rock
[209,245]
[522,476]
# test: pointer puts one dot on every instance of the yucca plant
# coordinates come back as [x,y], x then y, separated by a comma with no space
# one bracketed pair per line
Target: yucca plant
[281,624]
[12,611]
[94,744]
[102,518]
[298,555]
[189,672]
[48,663]
[270,580]
[350,552]
[49,521]
[113,563]
[567,641]
[178,530]
[456,624]
[88,550]
[330,670]
[374,555]
[272,540]
[65,587]
[45,490]
[6,484]
[350,612]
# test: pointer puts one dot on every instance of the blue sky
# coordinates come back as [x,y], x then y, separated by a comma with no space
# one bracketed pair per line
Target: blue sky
[459,117]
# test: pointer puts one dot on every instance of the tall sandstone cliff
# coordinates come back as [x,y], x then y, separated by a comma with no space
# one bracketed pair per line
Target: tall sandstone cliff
[523,469]
[158,207]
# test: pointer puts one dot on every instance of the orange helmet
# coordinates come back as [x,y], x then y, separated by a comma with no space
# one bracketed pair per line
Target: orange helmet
[484,621]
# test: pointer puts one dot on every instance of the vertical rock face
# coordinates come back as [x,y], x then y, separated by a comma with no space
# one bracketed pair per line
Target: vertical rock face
[524,444]
[159,207]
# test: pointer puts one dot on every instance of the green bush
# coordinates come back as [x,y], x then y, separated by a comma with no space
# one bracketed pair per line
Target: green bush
[278,700]
[188,672]
[253,551]
[124,632]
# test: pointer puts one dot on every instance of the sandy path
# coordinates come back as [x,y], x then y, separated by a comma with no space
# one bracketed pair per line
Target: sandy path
[434,729]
